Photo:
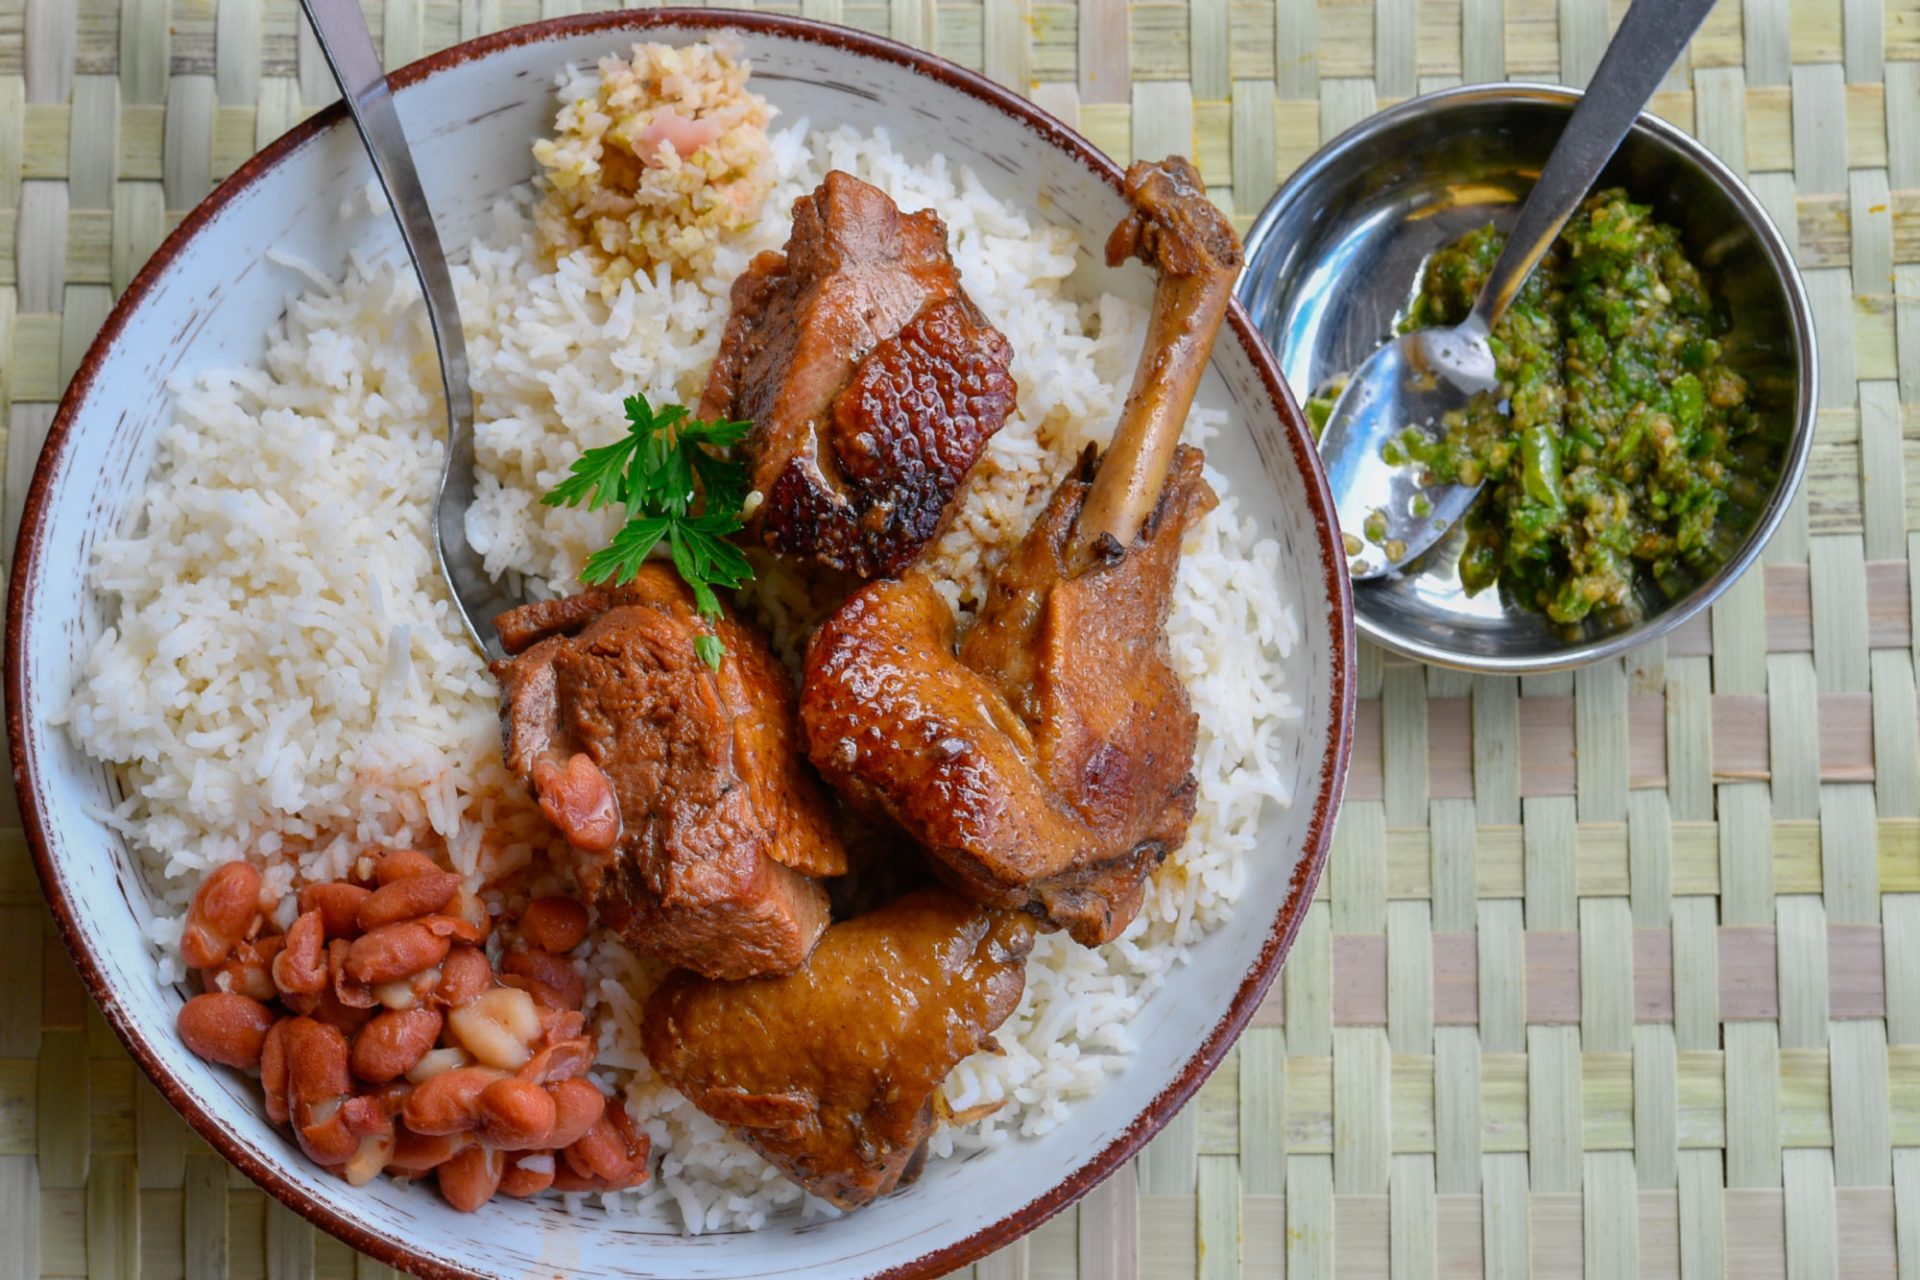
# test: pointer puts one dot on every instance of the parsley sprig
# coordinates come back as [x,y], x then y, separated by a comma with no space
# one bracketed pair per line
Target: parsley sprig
[658,471]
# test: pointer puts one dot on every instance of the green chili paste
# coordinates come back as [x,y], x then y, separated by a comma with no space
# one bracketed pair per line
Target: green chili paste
[1620,441]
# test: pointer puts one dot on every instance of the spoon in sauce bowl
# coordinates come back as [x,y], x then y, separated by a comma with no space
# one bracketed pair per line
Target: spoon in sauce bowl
[1387,517]
[348,47]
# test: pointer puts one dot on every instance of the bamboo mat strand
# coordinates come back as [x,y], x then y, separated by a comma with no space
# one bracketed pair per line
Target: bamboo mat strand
[1613,973]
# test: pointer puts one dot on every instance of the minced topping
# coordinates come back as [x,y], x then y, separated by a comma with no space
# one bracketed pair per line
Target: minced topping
[666,155]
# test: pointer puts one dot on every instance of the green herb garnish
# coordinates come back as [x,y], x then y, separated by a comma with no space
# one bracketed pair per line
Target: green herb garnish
[658,472]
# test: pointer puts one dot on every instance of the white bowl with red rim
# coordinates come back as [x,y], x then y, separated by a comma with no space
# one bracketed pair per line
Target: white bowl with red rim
[207,300]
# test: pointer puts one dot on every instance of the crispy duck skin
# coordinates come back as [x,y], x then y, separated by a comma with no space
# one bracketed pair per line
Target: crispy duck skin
[695,824]
[1047,764]
[872,381]
[830,1071]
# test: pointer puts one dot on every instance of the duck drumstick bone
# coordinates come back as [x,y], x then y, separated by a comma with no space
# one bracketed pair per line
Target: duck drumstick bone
[1172,227]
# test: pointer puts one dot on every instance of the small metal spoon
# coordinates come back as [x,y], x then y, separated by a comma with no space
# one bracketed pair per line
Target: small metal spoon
[1420,377]
[348,47]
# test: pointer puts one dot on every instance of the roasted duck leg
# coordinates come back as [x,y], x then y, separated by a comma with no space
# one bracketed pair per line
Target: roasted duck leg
[1047,765]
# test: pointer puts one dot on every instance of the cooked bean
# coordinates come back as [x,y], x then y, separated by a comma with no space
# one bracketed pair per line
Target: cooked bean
[448,1102]
[613,1153]
[417,1153]
[395,951]
[226,1027]
[370,1113]
[469,1179]
[553,981]
[600,1151]
[515,1115]
[338,903]
[639,1146]
[577,1107]
[467,906]
[579,800]
[392,1043]
[464,975]
[609,1156]
[408,898]
[557,924]
[561,1024]
[368,1159]
[499,1028]
[566,1178]
[434,1061]
[367,969]
[301,966]
[527,1175]
[318,1083]
[399,994]
[561,1060]
[354,995]
[224,910]
[328,1009]
[401,863]
[456,928]
[248,970]
[273,1071]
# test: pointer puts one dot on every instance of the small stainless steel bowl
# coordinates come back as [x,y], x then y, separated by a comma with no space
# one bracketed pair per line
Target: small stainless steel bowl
[1335,257]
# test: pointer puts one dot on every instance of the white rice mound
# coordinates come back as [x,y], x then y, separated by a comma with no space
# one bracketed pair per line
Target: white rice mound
[284,679]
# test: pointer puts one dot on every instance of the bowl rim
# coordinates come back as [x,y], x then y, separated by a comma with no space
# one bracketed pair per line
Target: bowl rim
[1333,762]
[1806,352]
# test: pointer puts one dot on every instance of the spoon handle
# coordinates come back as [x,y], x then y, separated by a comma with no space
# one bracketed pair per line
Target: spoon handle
[347,45]
[1650,39]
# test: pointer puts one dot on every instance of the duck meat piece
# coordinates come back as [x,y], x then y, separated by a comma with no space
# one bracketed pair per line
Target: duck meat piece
[872,381]
[696,826]
[830,1072]
[1047,763]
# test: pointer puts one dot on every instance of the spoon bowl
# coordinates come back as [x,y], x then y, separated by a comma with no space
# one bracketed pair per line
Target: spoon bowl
[1388,517]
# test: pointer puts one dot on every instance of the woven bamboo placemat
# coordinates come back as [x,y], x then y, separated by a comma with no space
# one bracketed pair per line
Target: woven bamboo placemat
[1616,971]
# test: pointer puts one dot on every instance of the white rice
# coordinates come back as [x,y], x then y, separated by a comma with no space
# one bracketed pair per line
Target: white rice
[284,680]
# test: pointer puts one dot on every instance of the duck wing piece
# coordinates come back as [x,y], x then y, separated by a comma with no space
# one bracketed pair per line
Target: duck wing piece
[830,1071]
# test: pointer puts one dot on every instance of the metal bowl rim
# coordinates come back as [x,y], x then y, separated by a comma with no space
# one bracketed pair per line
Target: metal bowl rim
[1786,271]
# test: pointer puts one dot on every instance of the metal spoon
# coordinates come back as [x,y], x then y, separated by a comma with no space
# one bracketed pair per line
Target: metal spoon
[1419,377]
[348,47]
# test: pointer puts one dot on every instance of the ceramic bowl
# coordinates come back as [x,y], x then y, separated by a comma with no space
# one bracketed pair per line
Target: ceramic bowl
[206,300]
[1335,257]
